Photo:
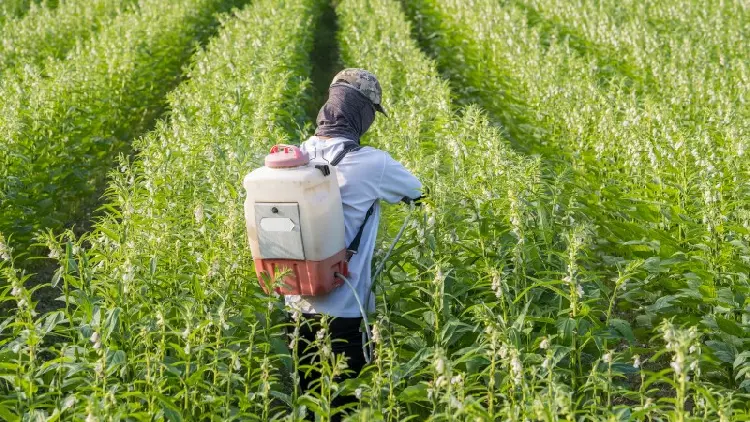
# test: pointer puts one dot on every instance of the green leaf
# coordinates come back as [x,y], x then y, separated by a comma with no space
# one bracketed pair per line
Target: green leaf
[408,322]
[729,326]
[171,414]
[114,360]
[168,405]
[623,327]
[111,321]
[722,351]
[414,393]
[6,414]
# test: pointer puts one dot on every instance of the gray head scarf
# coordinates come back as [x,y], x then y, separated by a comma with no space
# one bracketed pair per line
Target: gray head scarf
[347,114]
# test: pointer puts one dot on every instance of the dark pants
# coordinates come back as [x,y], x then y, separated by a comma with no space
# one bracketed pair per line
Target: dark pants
[346,329]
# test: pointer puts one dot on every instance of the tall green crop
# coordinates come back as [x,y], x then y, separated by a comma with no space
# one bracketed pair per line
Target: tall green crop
[464,279]
[691,56]
[662,201]
[162,312]
[62,129]
[46,33]
[604,277]
[11,9]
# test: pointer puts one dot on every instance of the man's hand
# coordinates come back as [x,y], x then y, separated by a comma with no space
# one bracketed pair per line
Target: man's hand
[417,201]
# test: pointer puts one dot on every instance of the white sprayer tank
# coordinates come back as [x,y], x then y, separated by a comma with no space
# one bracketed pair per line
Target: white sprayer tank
[295,223]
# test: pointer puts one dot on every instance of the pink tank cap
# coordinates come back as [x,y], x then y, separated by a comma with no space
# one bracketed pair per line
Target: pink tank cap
[282,156]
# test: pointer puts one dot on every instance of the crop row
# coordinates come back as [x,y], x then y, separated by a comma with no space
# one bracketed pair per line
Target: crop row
[11,9]
[690,55]
[503,301]
[50,33]
[164,300]
[63,128]
[162,315]
[663,212]
[437,298]
[600,139]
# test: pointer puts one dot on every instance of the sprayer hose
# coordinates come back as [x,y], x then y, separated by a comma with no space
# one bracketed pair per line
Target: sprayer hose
[367,347]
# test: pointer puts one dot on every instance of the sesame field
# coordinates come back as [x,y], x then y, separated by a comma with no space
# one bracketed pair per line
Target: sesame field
[583,255]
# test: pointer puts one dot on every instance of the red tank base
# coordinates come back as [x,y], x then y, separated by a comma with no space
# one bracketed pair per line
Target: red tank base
[298,277]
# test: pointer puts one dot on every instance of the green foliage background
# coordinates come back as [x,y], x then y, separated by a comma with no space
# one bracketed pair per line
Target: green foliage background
[584,254]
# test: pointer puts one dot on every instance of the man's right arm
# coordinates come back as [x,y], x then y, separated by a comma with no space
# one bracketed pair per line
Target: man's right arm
[397,182]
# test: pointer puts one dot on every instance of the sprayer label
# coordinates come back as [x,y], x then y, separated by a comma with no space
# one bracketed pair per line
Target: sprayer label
[277,224]
[279,236]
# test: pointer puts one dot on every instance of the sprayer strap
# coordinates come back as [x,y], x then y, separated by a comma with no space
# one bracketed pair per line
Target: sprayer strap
[349,146]
[353,247]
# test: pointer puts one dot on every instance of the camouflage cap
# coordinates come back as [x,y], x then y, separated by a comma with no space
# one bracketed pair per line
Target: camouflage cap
[364,82]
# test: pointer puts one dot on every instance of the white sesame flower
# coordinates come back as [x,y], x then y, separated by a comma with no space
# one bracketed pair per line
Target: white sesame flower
[579,291]
[4,251]
[440,365]
[456,403]
[99,367]
[607,358]
[546,363]
[441,381]
[458,379]
[198,213]
[320,334]
[516,368]
[215,268]
[358,393]
[544,344]
[375,334]
[439,277]
[497,286]
[503,351]
[637,361]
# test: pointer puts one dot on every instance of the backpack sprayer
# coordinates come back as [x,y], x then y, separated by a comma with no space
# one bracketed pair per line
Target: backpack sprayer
[295,225]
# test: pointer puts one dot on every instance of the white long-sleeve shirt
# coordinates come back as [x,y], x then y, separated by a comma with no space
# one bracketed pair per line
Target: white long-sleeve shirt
[364,177]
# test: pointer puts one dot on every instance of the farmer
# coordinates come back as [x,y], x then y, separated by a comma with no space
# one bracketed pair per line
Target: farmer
[365,176]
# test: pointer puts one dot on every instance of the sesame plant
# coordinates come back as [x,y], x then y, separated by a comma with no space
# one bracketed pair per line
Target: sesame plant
[665,210]
[13,9]
[162,316]
[63,128]
[470,270]
[50,33]
[583,253]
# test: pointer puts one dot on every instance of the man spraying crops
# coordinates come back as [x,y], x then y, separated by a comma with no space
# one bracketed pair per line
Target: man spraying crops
[366,175]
